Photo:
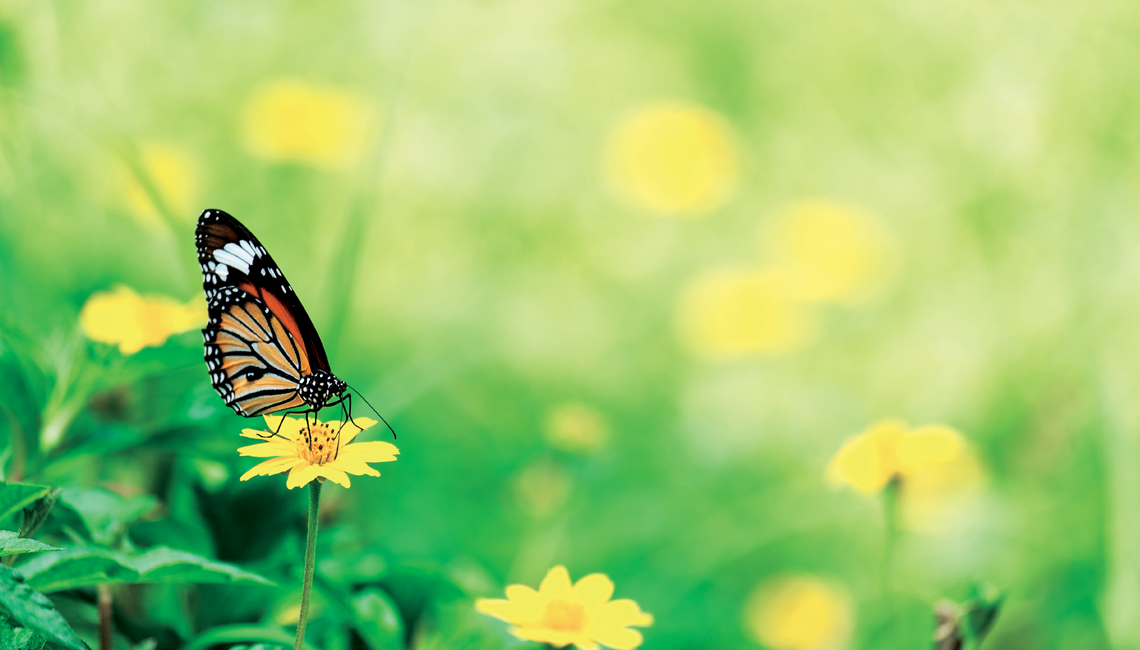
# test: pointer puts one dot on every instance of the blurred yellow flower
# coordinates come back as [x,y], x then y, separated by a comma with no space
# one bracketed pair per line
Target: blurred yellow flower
[174,177]
[323,449]
[829,252]
[133,322]
[672,159]
[560,613]
[293,121]
[799,613]
[541,487]
[733,313]
[577,428]
[889,449]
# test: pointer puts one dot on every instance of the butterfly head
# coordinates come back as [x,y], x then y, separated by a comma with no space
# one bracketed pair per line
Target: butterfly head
[319,388]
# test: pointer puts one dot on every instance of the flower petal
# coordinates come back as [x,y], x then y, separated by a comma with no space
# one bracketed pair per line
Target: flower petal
[620,613]
[273,466]
[504,610]
[334,475]
[353,467]
[541,634]
[586,644]
[302,474]
[370,452]
[556,583]
[594,590]
[617,638]
[267,449]
[528,601]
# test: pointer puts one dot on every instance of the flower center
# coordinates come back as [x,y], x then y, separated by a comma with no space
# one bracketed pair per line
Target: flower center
[317,444]
[564,616]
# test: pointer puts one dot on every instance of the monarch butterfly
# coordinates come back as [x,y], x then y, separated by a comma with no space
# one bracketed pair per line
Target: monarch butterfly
[262,350]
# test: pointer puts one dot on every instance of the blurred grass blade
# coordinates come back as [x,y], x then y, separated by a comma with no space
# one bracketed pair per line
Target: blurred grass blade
[34,611]
[232,634]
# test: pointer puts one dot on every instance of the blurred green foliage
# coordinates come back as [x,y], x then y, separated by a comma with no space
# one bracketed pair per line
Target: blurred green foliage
[472,271]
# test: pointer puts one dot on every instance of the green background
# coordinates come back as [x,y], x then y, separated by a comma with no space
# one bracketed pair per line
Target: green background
[473,271]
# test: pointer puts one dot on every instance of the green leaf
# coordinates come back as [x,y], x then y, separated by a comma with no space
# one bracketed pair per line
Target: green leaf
[20,638]
[14,497]
[12,544]
[86,567]
[106,514]
[371,613]
[240,634]
[34,611]
[36,514]
[377,620]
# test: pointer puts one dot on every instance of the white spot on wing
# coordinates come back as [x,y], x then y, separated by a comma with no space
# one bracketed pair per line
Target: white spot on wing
[227,257]
[222,269]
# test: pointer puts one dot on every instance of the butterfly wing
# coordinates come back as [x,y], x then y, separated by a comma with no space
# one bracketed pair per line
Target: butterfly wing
[259,340]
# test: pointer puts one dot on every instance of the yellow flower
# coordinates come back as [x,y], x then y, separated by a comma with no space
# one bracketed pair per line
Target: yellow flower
[174,177]
[890,449]
[799,613]
[576,428]
[326,450]
[672,159]
[560,613]
[728,314]
[829,252]
[936,470]
[292,121]
[125,318]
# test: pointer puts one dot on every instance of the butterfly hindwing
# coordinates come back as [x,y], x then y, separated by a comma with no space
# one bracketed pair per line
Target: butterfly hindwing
[259,341]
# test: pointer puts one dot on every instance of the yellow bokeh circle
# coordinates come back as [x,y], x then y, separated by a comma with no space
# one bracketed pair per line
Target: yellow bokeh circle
[294,121]
[799,612]
[672,159]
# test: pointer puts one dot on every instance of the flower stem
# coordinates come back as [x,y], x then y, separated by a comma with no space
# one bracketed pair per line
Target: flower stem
[310,559]
[106,629]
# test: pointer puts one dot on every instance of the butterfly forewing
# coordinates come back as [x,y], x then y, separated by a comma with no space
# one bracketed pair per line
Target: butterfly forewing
[259,341]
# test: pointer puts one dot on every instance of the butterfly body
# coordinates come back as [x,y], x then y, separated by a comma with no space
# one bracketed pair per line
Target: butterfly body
[262,350]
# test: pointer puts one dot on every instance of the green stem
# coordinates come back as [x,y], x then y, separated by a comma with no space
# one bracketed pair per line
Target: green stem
[310,559]
[891,514]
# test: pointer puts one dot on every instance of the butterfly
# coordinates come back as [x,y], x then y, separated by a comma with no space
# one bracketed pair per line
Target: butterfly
[262,350]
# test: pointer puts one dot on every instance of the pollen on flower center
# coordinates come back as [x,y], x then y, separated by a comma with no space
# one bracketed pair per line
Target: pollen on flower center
[564,616]
[317,444]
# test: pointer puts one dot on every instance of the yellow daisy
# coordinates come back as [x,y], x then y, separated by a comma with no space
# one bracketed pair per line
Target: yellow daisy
[560,613]
[308,453]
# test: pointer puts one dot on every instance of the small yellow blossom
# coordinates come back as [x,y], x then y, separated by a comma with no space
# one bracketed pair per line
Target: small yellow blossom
[323,450]
[936,472]
[560,613]
[133,322]
[725,314]
[293,121]
[890,449]
[174,177]
[828,252]
[577,428]
[799,613]
[542,487]
[672,159]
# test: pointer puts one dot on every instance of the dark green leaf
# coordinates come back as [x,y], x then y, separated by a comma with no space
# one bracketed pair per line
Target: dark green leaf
[12,544]
[85,567]
[105,513]
[13,637]
[14,497]
[34,611]
[239,634]
[37,513]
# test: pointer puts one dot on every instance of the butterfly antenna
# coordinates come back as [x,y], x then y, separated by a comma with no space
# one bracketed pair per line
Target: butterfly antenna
[374,411]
